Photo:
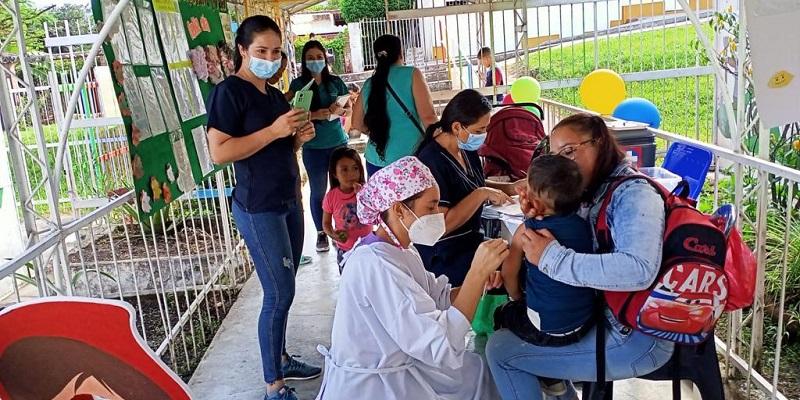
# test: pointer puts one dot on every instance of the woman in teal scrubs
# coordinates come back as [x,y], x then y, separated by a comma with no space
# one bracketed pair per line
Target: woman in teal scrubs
[330,133]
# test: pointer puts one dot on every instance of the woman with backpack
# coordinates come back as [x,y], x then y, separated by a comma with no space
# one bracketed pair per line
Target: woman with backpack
[449,149]
[395,107]
[636,218]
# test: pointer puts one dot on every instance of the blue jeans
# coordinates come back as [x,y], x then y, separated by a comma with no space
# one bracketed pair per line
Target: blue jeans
[316,162]
[275,242]
[372,169]
[515,364]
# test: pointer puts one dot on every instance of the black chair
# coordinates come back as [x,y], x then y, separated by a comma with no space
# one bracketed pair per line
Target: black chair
[698,364]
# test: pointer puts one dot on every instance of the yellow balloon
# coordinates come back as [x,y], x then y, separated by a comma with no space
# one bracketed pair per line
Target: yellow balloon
[602,91]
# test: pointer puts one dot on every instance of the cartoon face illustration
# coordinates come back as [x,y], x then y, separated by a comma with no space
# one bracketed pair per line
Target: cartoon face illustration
[97,346]
[681,314]
[781,79]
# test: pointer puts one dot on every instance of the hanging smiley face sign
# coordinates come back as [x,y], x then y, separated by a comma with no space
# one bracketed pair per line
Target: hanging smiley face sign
[776,63]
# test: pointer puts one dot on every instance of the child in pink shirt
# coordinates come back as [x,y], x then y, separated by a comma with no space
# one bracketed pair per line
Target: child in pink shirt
[339,205]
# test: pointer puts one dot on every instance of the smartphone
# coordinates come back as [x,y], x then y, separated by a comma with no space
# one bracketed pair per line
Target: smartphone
[302,100]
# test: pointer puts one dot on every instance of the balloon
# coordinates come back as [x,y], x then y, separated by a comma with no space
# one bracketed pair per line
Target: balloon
[534,110]
[602,91]
[507,100]
[638,110]
[526,90]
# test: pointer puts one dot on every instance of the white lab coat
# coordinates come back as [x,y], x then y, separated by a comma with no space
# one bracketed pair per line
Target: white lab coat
[396,336]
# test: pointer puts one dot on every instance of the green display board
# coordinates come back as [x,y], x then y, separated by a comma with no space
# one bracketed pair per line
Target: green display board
[166,57]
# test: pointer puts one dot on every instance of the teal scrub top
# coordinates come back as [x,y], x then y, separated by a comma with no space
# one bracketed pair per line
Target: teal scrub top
[329,134]
[404,136]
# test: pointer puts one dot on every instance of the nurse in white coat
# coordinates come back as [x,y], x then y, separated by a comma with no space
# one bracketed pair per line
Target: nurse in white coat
[398,331]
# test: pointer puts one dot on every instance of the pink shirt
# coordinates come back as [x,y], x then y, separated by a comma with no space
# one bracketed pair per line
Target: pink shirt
[342,206]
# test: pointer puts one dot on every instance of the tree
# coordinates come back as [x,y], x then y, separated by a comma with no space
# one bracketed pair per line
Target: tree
[76,15]
[33,25]
[356,10]
[325,6]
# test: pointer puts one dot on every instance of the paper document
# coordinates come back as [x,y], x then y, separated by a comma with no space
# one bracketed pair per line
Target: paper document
[342,102]
[510,209]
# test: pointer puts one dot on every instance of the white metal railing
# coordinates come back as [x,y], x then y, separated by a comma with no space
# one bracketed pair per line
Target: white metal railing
[181,269]
[770,224]
[559,43]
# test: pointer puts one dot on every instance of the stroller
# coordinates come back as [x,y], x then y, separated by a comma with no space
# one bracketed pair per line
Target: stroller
[514,134]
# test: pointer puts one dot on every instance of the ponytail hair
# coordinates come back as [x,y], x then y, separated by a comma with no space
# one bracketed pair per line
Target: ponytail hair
[250,27]
[466,108]
[387,50]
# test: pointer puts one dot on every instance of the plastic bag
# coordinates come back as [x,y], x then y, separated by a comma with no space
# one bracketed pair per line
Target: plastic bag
[740,268]
[483,323]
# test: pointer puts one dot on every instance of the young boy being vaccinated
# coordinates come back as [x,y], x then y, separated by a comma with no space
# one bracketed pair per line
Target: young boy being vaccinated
[545,312]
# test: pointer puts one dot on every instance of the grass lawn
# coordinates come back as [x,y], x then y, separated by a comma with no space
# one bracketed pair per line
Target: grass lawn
[659,49]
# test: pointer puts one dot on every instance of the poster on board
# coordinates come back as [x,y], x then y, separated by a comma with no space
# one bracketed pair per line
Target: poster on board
[160,95]
[776,63]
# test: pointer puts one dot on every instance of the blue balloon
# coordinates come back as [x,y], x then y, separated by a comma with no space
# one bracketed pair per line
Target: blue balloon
[638,110]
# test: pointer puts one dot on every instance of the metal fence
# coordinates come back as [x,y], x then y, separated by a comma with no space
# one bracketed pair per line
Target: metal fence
[96,160]
[650,43]
[181,269]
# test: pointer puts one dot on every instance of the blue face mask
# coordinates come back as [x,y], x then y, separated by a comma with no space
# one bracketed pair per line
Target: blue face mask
[263,69]
[315,66]
[473,143]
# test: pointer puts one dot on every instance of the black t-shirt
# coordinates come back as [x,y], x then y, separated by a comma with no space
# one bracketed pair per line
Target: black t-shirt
[269,180]
[456,183]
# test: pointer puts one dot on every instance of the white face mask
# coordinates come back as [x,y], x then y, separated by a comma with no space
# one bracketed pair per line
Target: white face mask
[427,229]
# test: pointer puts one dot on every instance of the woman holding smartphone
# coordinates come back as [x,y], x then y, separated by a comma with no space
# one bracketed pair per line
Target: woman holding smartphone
[251,124]
[325,113]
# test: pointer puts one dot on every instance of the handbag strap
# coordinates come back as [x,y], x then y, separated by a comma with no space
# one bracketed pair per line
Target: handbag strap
[405,109]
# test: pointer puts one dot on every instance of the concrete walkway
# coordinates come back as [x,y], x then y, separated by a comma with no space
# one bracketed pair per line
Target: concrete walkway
[231,369]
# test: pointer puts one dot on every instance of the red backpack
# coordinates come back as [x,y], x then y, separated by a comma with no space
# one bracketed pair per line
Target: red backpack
[513,135]
[691,289]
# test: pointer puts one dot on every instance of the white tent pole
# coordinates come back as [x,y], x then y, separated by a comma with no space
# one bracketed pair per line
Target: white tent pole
[719,73]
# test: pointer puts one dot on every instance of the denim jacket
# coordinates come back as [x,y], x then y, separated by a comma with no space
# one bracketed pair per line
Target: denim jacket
[636,221]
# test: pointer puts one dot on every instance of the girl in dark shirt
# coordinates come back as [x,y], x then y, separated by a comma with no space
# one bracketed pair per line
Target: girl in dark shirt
[252,125]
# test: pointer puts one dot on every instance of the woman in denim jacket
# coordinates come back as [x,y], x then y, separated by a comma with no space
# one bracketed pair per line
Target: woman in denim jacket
[636,221]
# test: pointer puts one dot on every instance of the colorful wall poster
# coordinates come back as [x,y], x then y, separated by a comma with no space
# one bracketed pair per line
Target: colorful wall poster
[161,100]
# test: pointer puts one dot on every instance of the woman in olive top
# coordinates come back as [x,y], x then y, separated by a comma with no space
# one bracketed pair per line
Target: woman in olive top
[325,113]
[251,124]
[395,107]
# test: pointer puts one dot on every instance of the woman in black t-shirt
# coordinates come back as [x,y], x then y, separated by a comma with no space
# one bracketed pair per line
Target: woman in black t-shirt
[450,150]
[251,124]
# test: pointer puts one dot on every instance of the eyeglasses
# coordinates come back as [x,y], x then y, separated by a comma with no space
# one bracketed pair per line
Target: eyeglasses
[569,151]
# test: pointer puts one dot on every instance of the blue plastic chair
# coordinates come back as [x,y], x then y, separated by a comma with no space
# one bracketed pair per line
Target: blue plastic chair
[690,163]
